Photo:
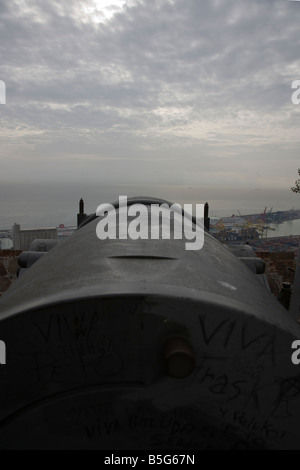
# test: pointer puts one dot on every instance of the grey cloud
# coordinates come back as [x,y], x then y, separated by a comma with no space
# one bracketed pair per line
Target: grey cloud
[200,84]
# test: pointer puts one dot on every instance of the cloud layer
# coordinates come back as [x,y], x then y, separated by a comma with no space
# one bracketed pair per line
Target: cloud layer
[169,92]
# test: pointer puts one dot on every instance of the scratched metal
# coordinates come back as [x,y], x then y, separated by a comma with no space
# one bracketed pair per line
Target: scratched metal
[85,330]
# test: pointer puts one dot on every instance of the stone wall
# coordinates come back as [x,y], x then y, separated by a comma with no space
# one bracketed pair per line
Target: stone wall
[280,267]
[8,268]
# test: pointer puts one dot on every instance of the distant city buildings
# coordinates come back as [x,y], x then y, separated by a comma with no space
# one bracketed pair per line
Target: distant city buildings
[22,239]
[234,229]
[6,242]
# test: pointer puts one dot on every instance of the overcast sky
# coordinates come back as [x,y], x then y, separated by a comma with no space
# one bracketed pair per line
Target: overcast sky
[177,92]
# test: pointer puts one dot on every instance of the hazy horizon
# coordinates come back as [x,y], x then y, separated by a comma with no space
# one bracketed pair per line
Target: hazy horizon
[58,203]
[112,97]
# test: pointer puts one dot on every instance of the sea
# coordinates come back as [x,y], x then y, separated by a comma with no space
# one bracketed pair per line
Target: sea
[45,204]
[285,229]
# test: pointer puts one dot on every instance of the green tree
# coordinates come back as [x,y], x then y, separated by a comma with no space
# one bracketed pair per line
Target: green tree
[296,188]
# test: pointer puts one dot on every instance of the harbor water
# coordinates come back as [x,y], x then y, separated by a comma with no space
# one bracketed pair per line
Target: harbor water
[285,229]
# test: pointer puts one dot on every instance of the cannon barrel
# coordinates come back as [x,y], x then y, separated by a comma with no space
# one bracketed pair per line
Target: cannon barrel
[142,344]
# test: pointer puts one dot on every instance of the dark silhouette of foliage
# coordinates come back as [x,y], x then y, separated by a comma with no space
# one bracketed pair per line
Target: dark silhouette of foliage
[296,188]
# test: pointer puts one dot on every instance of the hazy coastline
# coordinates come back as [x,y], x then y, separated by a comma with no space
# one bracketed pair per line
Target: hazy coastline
[52,204]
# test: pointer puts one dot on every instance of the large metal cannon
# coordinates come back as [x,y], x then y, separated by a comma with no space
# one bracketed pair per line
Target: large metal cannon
[142,344]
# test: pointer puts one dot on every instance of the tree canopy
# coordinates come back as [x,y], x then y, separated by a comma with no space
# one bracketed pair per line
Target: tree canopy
[296,188]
